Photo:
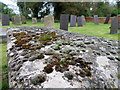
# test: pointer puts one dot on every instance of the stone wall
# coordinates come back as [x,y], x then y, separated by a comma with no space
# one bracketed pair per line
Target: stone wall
[40,57]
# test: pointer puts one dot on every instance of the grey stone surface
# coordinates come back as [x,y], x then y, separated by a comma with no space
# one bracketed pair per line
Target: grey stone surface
[73,19]
[5,20]
[49,21]
[83,20]
[64,19]
[96,19]
[79,21]
[3,36]
[107,19]
[23,19]
[114,25]
[34,20]
[16,20]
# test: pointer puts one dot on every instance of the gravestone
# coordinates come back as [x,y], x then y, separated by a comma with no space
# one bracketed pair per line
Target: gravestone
[79,21]
[17,20]
[73,21]
[42,20]
[107,19]
[96,19]
[23,18]
[64,19]
[83,20]
[49,21]
[12,18]
[5,20]
[118,26]
[114,25]
[34,20]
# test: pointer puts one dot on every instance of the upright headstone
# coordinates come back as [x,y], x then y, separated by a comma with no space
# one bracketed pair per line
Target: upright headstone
[34,20]
[72,21]
[49,21]
[5,20]
[12,18]
[17,20]
[114,25]
[107,19]
[83,20]
[80,22]
[42,20]
[23,18]
[64,19]
[96,19]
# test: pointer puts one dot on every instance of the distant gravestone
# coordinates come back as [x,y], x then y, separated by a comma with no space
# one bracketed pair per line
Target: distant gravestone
[107,19]
[23,18]
[34,20]
[42,20]
[118,26]
[64,19]
[114,25]
[83,20]
[73,21]
[49,21]
[12,18]
[96,19]
[5,20]
[17,20]
[80,22]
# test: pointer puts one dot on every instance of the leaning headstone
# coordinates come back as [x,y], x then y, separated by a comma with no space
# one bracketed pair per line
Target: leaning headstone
[72,21]
[107,19]
[5,20]
[96,19]
[83,20]
[64,19]
[114,25]
[17,20]
[23,18]
[79,21]
[34,20]
[49,21]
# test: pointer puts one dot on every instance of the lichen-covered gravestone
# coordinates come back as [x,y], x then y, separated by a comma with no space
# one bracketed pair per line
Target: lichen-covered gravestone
[34,20]
[114,25]
[80,22]
[5,20]
[16,20]
[72,21]
[107,19]
[49,21]
[23,19]
[96,19]
[83,20]
[64,19]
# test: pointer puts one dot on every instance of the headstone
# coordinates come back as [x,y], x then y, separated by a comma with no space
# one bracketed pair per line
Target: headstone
[96,19]
[17,20]
[73,21]
[83,20]
[64,19]
[80,22]
[49,21]
[42,20]
[23,18]
[5,20]
[114,25]
[34,20]
[118,26]
[12,18]
[107,19]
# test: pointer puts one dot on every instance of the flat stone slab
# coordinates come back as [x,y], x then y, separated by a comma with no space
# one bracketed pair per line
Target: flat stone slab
[42,57]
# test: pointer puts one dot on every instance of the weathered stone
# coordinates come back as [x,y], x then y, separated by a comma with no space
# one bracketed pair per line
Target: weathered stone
[34,20]
[96,19]
[83,20]
[23,18]
[80,22]
[73,21]
[5,20]
[107,19]
[64,19]
[17,20]
[49,21]
[42,20]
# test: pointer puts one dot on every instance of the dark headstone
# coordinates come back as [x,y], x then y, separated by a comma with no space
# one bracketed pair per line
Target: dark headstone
[64,19]
[107,19]
[118,26]
[114,25]
[5,20]
[23,19]
[17,20]
[72,21]
[96,19]
[80,22]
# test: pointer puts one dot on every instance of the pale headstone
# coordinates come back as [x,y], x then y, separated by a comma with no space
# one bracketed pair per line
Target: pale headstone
[114,25]
[83,20]
[42,20]
[80,22]
[17,20]
[64,19]
[96,19]
[5,20]
[107,19]
[72,21]
[34,20]
[49,21]
[23,18]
